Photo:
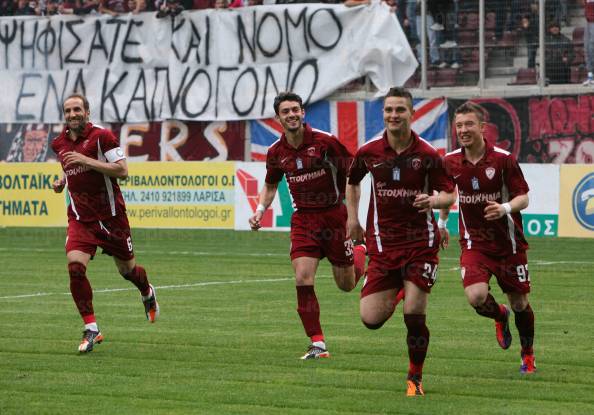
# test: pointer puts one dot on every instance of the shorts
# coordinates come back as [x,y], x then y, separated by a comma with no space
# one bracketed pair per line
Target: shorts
[511,271]
[322,234]
[389,269]
[112,235]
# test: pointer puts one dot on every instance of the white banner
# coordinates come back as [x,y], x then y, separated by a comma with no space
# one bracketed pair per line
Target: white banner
[203,65]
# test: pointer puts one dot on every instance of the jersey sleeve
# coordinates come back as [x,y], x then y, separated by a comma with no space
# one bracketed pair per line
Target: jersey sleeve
[274,173]
[514,178]
[439,179]
[358,169]
[110,146]
[339,156]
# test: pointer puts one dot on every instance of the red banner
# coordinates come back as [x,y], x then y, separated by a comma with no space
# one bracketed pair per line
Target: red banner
[155,141]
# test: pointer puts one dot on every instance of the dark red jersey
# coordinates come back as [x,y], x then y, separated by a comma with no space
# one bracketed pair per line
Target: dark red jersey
[93,195]
[396,179]
[495,177]
[315,172]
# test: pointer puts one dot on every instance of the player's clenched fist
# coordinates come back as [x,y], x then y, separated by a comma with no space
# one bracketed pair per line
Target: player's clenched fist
[255,220]
[58,185]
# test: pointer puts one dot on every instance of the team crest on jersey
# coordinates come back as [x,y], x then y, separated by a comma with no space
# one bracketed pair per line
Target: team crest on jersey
[396,174]
[490,172]
[416,163]
[475,184]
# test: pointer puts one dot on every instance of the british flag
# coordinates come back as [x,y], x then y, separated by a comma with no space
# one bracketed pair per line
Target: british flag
[355,122]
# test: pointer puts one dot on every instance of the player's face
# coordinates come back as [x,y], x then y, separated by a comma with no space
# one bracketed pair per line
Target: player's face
[468,129]
[397,115]
[290,115]
[75,115]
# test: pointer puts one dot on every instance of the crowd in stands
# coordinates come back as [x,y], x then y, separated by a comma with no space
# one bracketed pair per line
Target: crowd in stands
[451,26]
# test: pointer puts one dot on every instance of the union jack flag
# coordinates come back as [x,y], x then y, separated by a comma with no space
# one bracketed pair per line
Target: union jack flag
[355,122]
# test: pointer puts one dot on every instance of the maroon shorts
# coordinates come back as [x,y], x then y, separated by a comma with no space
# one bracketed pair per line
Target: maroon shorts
[113,235]
[511,271]
[389,269]
[322,234]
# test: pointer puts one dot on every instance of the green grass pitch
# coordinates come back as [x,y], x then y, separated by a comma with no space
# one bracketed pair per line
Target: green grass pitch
[229,338]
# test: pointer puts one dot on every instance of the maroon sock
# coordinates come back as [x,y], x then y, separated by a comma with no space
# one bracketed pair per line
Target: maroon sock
[309,311]
[525,325]
[359,257]
[138,277]
[491,309]
[417,340]
[81,290]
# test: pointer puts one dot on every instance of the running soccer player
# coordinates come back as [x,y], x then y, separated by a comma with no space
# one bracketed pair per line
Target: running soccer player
[92,161]
[492,192]
[314,163]
[408,181]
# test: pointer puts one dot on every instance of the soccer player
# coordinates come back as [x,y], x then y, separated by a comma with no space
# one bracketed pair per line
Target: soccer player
[92,161]
[408,181]
[492,192]
[314,163]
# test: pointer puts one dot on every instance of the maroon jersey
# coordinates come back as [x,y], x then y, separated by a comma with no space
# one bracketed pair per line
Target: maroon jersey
[315,172]
[396,179]
[497,177]
[93,195]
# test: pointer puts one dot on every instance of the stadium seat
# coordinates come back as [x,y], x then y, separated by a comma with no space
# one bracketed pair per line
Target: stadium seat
[577,37]
[577,74]
[525,76]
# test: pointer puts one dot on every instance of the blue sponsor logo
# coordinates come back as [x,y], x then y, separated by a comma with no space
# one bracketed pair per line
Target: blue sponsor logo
[583,202]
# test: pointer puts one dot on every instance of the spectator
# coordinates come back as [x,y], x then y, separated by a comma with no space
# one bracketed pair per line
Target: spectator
[136,6]
[221,4]
[25,8]
[529,29]
[170,8]
[433,37]
[6,8]
[113,7]
[411,21]
[81,7]
[559,53]
[589,41]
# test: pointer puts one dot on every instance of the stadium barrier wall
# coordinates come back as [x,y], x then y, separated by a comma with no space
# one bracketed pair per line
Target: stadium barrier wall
[224,195]
[576,208]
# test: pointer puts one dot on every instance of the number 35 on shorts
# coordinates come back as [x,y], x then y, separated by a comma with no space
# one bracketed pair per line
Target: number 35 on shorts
[348,247]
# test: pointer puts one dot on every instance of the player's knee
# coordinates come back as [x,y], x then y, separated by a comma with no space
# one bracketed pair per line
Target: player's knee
[77,270]
[346,285]
[476,300]
[373,326]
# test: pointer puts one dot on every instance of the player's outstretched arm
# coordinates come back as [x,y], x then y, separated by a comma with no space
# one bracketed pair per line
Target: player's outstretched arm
[118,169]
[58,185]
[441,200]
[354,228]
[265,200]
[494,210]
[442,226]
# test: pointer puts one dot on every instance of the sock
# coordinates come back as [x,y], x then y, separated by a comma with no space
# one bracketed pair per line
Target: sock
[359,256]
[138,277]
[417,340]
[525,324]
[91,326]
[81,290]
[491,309]
[309,312]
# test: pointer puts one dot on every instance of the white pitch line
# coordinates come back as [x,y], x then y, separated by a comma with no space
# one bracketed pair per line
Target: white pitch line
[189,253]
[162,287]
